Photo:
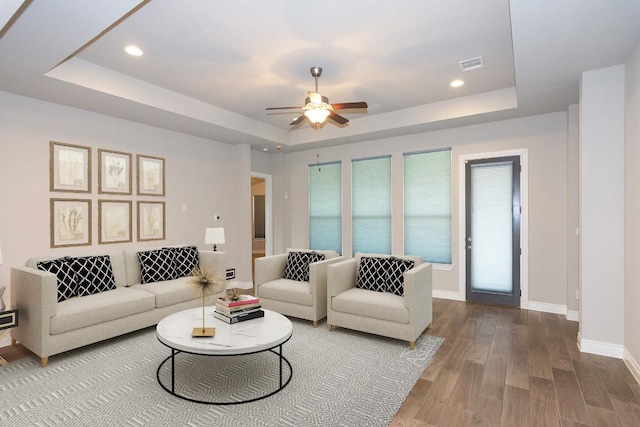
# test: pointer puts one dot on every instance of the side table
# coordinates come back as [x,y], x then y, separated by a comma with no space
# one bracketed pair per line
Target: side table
[8,320]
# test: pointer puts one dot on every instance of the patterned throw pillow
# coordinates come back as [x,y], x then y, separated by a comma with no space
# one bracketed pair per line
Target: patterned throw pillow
[372,273]
[157,266]
[395,279]
[94,274]
[185,261]
[297,266]
[67,282]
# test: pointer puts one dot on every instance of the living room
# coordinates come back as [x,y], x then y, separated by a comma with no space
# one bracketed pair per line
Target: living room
[574,242]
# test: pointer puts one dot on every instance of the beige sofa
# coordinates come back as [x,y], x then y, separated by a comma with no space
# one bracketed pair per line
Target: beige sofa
[382,313]
[48,327]
[302,299]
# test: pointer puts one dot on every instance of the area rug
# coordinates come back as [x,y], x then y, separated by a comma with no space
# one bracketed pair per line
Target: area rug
[340,378]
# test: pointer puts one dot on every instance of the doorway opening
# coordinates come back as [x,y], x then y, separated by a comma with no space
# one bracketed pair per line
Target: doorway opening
[261,241]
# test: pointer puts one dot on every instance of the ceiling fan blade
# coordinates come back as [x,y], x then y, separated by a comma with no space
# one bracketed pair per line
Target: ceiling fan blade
[298,120]
[282,108]
[342,106]
[338,118]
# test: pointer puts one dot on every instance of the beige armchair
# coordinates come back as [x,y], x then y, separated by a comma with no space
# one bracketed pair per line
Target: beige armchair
[305,299]
[380,312]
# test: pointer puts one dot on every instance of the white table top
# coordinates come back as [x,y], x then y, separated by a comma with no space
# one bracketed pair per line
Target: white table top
[240,338]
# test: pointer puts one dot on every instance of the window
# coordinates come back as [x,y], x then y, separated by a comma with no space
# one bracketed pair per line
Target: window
[325,206]
[371,207]
[427,205]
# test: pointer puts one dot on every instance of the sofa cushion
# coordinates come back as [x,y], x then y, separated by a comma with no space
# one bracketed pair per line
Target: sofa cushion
[117,265]
[94,274]
[67,280]
[171,292]
[374,305]
[77,313]
[395,278]
[185,260]
[287,290]
[297,266]
[157,266]
[372,273]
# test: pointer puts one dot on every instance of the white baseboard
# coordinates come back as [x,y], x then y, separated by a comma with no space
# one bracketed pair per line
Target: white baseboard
[573,315]
[456,296]
[632,364]
[600,348]
[546,307]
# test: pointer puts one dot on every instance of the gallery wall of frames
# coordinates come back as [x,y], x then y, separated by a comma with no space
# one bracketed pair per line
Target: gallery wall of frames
[117,205]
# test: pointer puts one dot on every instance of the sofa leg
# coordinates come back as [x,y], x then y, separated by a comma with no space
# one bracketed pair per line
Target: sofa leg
[44,361]
[315,323]
[412,345]
[329,327]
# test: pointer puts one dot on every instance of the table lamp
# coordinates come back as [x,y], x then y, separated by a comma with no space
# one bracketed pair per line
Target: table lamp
[214,236]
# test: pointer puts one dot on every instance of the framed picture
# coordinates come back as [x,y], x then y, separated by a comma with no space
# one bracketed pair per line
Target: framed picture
[114,221]
[69,167]
[70,222]
[151,224]
[114,172]
[150,171]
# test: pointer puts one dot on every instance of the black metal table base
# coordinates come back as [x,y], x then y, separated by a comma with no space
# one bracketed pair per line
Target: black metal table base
[172,389]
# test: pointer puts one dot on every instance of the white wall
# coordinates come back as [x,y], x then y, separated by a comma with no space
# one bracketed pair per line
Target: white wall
[208,177]
[632,213]
[544,136]
[602,211]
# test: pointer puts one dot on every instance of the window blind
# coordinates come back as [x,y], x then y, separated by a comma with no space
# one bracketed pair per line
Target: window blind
[371,205]
[325,206]
[427,205]
[492,227]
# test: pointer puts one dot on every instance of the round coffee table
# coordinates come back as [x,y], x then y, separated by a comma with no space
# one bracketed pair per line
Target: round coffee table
[243,338]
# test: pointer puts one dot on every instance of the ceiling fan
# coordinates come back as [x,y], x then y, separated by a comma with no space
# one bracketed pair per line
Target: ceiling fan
[317,108]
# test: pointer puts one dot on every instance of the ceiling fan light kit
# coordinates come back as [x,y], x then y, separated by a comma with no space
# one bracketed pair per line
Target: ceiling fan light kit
[317,107]
[317,115]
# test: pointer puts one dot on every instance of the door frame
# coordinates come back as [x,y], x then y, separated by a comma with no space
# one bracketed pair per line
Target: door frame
[524,224]
[268,209]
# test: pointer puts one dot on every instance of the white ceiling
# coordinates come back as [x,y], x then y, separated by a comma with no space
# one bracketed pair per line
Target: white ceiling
[211,68]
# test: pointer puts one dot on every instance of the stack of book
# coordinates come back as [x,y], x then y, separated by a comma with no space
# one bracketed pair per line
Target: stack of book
[246,307]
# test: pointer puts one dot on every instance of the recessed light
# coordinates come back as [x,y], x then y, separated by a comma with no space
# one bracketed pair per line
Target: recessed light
[456,83]
[133,50]
[265,149]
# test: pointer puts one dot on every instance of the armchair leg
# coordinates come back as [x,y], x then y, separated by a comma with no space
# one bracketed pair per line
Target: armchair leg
[315,323]
[329,327]
[44,361]
[412,345]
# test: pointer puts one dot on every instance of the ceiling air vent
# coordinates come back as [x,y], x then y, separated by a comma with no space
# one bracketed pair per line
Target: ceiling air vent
[471,64]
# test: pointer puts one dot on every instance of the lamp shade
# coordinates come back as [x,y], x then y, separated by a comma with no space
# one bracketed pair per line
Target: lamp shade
[213,236]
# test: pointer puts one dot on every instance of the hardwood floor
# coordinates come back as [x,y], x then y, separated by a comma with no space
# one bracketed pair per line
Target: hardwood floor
[508,367]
